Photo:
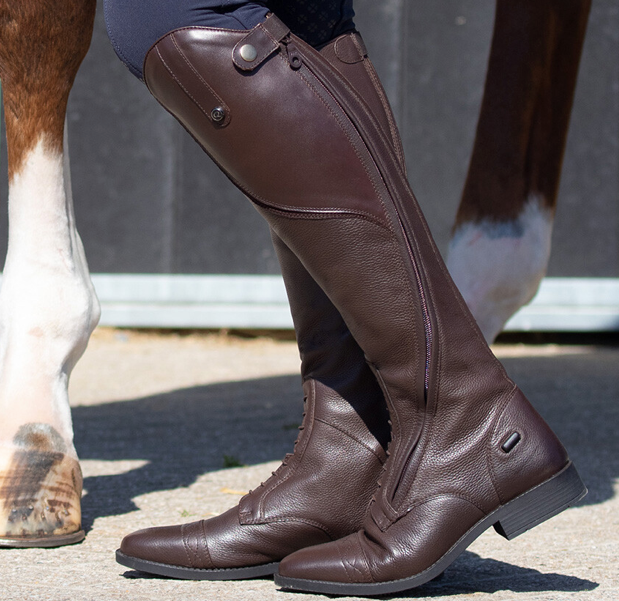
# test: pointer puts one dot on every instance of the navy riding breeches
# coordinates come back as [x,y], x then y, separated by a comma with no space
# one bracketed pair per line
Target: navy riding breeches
[135,25]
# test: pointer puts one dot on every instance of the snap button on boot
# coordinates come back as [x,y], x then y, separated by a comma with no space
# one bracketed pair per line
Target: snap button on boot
[218,114]
[248,53]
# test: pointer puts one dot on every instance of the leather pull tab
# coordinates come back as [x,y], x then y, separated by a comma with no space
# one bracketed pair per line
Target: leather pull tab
[260,43]
[382,515]
[350,49]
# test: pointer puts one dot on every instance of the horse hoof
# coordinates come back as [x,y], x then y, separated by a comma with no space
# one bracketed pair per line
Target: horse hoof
[40,493]
[26,542]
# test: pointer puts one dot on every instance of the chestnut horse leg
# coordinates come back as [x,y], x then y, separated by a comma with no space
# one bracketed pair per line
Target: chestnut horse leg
[500,242]
[48,307]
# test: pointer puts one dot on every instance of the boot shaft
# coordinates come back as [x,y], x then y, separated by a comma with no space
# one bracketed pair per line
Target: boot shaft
[314,158]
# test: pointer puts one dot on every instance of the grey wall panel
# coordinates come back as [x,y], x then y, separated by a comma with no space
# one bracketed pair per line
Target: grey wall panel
[217,230]
[382,26]
[123,157]
[148,201]
[445,52]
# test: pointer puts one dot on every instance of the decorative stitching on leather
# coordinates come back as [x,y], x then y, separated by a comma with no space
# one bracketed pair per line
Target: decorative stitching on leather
[202,80]
[352,145]
[267,52]
[357,44]
[352,437]
[299,214]
[295,520]
[354,568]
[397,142]
[442,496]
[343,561]
[186,547]
[169,70]
[368,564]
[205,544]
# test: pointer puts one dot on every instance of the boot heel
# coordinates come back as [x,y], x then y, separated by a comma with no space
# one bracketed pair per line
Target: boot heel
[541,503]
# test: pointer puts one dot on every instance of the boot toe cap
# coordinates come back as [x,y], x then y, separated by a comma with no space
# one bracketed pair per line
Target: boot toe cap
[342,560]
[165,545]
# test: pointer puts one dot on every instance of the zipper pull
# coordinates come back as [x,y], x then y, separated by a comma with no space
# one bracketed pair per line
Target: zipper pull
[294,56]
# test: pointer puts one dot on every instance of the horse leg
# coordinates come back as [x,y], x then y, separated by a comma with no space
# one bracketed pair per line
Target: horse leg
[48,307]
[500,242]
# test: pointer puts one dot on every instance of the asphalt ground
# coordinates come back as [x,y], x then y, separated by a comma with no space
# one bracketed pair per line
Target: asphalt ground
[161,421]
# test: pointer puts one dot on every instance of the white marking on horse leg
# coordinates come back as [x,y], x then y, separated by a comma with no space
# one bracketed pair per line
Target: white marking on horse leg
[48,309]
[498,266]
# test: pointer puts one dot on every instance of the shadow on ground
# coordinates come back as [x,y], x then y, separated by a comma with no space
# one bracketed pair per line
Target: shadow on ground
[471,573]
[186,433]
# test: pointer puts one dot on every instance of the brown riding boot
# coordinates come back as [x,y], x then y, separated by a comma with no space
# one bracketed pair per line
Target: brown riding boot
[311,498]
[467,451]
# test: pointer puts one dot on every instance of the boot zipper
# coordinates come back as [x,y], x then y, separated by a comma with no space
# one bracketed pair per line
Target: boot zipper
[424,310]
[422,295]
[428,333]
[294,56]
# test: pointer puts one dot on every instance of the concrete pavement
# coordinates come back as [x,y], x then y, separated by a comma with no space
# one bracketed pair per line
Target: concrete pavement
[158,417]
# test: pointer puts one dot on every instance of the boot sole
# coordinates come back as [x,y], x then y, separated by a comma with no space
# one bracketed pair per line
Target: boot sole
[510,520]
[183,573]
[43,541]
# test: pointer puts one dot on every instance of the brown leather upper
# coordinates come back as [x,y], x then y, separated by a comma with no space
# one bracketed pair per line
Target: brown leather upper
[320,166]
[322,491]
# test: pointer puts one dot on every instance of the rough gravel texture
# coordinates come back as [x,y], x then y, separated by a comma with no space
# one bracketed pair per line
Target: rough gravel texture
[157,417]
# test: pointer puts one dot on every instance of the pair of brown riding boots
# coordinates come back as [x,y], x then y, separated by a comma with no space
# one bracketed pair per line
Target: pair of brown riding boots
[309,137]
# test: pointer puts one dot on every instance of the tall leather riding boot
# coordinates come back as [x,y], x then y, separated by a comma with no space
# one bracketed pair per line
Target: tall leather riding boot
[309,499]
[467,451]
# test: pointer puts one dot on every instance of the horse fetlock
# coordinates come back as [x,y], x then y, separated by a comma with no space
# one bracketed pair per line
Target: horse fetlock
[498,266]
[57,312]
[40,488]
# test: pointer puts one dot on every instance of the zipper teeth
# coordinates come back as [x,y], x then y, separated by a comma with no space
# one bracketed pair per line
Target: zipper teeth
[424,310]
[428,334]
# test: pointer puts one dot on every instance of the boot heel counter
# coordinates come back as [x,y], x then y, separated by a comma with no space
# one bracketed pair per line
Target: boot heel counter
[524,451]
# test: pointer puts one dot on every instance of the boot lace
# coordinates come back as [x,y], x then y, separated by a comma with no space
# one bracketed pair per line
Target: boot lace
[288,456]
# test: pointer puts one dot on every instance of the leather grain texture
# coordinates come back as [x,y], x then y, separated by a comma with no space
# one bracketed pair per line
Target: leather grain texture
[322,165]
